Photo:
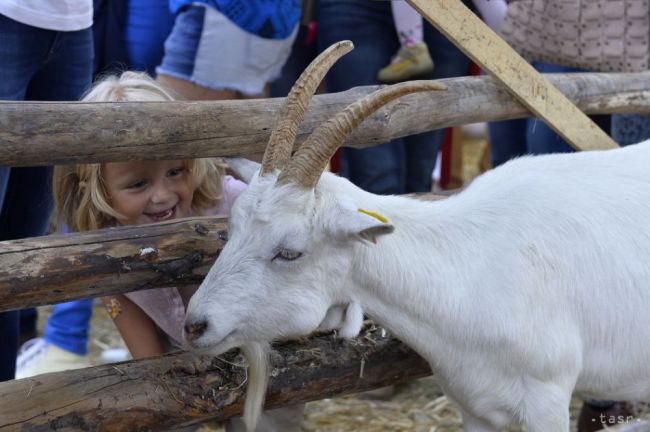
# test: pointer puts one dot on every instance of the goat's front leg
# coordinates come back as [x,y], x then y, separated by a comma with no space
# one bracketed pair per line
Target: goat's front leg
[546,407]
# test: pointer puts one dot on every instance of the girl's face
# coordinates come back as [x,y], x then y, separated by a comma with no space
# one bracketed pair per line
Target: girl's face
[148,191]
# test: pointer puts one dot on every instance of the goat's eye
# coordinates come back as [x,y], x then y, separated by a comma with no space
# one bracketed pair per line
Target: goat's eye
[287,255]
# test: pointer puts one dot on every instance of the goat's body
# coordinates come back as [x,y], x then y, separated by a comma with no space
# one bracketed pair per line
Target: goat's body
[533,281]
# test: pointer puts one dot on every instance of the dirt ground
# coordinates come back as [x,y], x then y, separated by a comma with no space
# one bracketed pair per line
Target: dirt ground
[417,406]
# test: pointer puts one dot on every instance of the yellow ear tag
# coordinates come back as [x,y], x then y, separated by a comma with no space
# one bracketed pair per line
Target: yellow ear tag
[377,216]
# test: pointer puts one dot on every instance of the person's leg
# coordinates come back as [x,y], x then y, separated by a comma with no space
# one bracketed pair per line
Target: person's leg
[421,150]
[630,128]
[507,140]
[22,49]
[8,344]
[5,172]
[408,23]
[65,74]
[27,203]
[369,25]
[412,59]
[541,139]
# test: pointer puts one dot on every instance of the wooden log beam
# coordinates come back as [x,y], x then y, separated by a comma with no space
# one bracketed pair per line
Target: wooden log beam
[51,269]
[187,388]
[56,268]
[44,133]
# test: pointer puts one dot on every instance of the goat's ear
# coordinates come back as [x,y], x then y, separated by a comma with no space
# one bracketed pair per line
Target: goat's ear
[243,168]
[358,223]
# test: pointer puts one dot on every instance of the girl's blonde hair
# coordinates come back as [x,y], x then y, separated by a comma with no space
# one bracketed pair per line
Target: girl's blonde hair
[80,195]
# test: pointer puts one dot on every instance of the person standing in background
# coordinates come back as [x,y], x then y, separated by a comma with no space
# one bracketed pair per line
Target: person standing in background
[227,49]
[46,54]
[128,34]
[403,165]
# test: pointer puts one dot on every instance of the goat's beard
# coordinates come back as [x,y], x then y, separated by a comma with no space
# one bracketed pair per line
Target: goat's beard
[257,356]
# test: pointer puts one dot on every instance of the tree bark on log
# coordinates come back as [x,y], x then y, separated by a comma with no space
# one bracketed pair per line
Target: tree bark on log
[185,388]
[52,269]
[46,133]
[60,267]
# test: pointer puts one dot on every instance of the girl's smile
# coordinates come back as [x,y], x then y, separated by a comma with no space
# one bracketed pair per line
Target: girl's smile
[163,215]
[148,191]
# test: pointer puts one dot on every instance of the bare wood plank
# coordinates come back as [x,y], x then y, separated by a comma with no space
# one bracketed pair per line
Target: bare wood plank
[45,270]
[492,53]
[186,388]
[58,133]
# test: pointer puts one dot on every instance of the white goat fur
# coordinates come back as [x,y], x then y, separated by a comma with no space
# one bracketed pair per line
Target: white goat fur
[533,281]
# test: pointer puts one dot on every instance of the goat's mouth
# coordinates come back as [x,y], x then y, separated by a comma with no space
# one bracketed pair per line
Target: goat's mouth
[217,347]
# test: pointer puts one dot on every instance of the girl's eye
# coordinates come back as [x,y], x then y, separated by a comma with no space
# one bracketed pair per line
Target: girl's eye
[287,255]
[175,172]
[137,185]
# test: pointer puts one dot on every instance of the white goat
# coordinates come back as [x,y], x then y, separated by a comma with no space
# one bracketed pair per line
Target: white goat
[531,283]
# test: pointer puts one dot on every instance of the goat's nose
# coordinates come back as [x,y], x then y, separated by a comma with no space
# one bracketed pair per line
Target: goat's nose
[195,330]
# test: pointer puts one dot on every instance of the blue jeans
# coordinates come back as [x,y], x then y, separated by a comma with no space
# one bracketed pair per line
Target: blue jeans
[37,64]
[511,138]
[402,165]
[630,128]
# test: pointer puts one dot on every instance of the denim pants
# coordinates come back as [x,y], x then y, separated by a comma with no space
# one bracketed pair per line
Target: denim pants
[511,138]
[403,165]
[35,64]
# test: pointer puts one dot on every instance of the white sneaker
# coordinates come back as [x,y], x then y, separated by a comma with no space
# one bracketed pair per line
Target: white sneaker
[36,357]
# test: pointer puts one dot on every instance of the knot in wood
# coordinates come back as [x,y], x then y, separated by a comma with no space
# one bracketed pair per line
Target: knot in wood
[201,229]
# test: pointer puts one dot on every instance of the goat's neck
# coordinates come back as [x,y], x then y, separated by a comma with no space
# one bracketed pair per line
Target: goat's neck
[406,281]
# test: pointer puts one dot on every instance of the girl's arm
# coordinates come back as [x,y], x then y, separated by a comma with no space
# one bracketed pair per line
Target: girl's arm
[138,330]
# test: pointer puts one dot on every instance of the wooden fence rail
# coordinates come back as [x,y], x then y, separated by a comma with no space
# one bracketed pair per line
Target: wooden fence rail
[51,269]
[46,133]
[186,388]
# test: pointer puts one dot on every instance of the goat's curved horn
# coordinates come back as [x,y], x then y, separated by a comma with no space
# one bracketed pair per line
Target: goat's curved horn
[284,133]
[311,158]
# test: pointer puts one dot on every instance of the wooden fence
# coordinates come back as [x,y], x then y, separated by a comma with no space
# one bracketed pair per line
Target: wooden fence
[184,388]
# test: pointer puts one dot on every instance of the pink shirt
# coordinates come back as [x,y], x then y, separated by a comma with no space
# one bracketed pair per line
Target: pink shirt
[165,306]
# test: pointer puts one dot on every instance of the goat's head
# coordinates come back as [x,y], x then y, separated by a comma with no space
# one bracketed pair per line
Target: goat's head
[290,235]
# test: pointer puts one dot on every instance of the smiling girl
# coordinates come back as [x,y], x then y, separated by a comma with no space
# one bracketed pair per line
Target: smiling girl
[93,196]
